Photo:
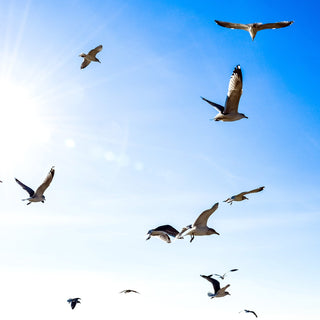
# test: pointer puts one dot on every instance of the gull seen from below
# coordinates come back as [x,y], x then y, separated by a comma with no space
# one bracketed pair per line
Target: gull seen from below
[38,195]
[129,291]
[241,196]
[230,110]
[253,28]
[249,311]
[224,275]
[73,302]
[163,232]
[91,56]
[199,227]
[218,291]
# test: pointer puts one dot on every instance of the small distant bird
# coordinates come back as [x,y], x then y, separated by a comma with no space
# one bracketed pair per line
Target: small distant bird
[249,311]
[91,56]
[241,196]
[38,195]
[199,227]
[253,28]
[230,110]
[128,291]
[224,275]
[218,292]
[163,232]
[73,302]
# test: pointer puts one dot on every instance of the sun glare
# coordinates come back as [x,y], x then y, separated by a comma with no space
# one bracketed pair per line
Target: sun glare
[21,125]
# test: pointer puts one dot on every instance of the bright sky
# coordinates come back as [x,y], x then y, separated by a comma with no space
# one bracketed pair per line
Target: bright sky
[133,149]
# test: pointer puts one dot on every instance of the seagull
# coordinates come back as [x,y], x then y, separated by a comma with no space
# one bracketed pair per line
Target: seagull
[128,291]
[224,275]
[230,110]
[91,56]
[249,311]
[253,28]
[163,232]
[199,227]
[241,196]
[38,195]
[218,292]
[73,302]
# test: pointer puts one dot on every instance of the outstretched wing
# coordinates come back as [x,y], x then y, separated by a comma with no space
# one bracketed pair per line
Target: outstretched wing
[85,63]
[94,51]
[204,216]
[215,283]
[275,25]
[234,91]
[218,107]
[232,25]
[254,313]
[45,184]
[171,231]
[29,190]
[251,191]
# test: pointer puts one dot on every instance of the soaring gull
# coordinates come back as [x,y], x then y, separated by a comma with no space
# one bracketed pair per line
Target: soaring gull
[249,311]
[224,275]
[163,232]
[199,227]
[218,292]
[241,196]
[230,110]
[91,56]
[129,291]
[253,28]
[73,302]
[38,195]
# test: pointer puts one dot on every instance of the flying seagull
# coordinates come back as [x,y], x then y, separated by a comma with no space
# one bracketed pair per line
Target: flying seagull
[249,311]
[91,56]
[199,227]
[218,292]
[73,302]
[128,291]
[38,195]
[241,196]
[163,232]
[253,28]
[230,110]
[224,275]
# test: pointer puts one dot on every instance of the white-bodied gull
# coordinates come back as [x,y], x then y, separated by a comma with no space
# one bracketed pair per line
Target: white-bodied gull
[163,232]
[218,292]
[38,195]
[241,196]
[230,110]
[73,302]
[199,227]
[253,28]
[249,311]
[91,56]
[224,275]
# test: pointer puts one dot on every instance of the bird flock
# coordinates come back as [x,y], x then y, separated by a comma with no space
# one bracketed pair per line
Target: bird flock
[228,112]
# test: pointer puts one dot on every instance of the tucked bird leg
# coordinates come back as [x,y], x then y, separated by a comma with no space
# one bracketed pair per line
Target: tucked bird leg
[192,237]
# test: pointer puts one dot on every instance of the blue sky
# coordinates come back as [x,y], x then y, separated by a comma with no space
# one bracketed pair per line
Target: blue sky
[134,148]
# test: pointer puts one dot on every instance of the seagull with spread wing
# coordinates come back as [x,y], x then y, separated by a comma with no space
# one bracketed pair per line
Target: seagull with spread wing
[230,110]
[249,311]
[163,232]
[91,56]
[38,195]
[199,227]
[218,291]
[129,291]
[241,196]
[73,302]
[253,28]
[224,275]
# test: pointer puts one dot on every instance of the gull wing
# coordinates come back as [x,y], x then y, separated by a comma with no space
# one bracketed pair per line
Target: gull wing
[218,107]
[232,25]
[204,216]
[218,275]
[234,91]
[171,231]
[94,51]
[275,25]
[215,283]
[85,63]
[29,190]
[254,313]
[45,184]
[251,191]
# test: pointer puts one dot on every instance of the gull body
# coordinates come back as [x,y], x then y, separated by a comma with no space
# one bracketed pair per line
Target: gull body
[230,110]
[91,56]
[253,28]
[73,302]
[199,227]
[38,195]
[163,232]
[241,196]
[218,291]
